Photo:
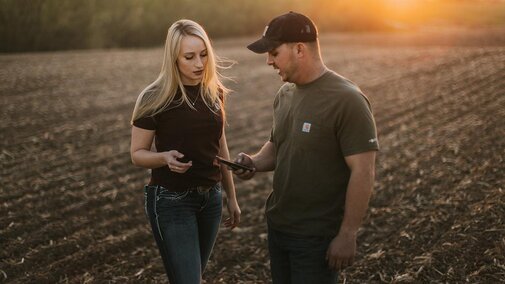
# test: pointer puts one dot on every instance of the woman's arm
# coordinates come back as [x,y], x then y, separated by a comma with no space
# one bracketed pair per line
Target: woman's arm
[228,186]
[142,156]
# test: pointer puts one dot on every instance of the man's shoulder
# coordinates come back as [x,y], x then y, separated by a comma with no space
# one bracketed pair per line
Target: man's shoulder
[339,86]
[343,91]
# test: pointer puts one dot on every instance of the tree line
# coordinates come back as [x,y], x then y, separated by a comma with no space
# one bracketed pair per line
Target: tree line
[39,25]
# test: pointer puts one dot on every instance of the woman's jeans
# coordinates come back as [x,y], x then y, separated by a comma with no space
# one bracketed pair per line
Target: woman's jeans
[299,259]
[185,226]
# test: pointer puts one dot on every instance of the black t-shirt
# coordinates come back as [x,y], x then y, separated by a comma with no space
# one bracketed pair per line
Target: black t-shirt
[194,133]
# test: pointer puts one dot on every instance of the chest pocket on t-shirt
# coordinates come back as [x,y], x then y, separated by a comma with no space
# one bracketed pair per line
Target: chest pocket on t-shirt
[311,135]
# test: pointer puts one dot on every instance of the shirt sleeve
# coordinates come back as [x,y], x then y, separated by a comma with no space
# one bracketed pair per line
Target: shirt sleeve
[356,130]
[146,122]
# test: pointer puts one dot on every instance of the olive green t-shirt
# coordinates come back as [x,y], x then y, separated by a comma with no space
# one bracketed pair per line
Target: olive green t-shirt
[315,126]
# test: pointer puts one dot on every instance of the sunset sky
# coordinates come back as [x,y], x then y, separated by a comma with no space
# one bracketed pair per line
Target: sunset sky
[55,24]
[463,12]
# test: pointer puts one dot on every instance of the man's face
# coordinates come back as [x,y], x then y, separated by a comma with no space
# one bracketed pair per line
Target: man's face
[284,61]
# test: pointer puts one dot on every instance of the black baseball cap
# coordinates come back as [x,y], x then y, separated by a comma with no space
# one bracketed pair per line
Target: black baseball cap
[290,27]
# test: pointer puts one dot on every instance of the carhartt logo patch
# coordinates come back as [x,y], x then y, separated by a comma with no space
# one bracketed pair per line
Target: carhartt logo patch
[306,127]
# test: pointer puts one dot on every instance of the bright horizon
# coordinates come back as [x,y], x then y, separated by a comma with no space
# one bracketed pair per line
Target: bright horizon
[421,12]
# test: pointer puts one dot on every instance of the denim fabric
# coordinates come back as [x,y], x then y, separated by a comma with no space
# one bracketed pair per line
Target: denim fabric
[185,226]
[299,259]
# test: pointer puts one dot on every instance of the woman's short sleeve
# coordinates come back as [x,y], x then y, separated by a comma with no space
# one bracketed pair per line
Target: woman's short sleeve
[146,122]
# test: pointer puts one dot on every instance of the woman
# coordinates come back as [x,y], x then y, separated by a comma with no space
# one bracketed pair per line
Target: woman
[183,111]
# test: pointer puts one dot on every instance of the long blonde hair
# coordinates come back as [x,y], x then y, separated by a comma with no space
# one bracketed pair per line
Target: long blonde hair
[158,95]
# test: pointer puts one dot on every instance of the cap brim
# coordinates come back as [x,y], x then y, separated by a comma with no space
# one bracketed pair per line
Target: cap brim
[263,45]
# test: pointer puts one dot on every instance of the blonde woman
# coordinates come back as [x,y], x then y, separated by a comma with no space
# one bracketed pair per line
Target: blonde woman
[183,112]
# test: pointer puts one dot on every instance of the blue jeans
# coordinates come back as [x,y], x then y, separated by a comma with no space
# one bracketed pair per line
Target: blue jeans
[299,259]
[185,226]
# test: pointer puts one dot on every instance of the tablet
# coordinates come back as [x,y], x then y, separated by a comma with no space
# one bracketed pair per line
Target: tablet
[233,165]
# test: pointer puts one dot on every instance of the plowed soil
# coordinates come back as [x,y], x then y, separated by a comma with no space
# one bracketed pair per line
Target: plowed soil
[71,202]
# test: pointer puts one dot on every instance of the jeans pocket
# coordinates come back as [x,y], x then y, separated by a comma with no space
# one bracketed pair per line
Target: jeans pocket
[171,195]
[218,187]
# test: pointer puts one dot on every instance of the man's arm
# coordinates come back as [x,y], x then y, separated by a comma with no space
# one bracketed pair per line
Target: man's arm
[263,161]
[343,247]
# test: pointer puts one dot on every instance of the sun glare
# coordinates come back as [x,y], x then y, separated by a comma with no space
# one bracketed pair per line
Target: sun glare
[407,11]
[402,4]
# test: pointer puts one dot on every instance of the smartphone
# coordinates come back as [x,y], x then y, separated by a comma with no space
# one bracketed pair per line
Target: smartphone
[233,165]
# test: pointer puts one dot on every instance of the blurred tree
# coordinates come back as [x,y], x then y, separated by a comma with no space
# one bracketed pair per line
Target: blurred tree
[19,22]
[27,25]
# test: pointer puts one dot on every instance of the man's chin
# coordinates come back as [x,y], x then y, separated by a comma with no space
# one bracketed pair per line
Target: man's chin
[285,79]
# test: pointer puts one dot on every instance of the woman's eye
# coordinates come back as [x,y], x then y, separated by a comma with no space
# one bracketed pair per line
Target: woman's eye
[203,55]
[188,57]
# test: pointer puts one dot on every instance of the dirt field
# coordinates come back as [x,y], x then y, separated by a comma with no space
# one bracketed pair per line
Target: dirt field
[71,203]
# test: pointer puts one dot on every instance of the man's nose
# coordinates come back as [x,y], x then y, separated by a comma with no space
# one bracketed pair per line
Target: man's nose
[270,60]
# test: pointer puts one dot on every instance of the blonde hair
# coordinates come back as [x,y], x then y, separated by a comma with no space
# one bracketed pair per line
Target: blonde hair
[158,95]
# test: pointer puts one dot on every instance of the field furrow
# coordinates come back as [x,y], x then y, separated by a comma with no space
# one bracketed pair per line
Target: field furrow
[71,202]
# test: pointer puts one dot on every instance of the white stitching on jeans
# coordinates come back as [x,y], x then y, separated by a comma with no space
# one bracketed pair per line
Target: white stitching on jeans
[155,213]
[174,196]
[146,189]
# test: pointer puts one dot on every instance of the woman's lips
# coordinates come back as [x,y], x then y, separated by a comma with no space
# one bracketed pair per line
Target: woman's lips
[198,72]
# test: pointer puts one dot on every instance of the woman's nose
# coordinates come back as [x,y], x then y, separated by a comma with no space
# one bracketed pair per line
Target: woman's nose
[199,62]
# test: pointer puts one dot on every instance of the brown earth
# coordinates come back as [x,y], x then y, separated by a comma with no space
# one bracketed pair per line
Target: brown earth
[71,203]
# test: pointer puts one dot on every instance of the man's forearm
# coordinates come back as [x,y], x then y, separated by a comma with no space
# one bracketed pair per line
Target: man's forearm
[264,160]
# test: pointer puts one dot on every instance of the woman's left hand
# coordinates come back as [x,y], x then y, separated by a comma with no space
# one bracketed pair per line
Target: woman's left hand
[234,211]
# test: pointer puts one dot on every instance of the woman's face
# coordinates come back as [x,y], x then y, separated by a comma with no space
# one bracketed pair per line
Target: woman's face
[192,60]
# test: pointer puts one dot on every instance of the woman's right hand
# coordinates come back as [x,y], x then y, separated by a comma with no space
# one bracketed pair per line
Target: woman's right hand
[173,164]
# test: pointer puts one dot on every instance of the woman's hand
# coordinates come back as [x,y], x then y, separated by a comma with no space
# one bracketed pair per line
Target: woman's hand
[173,164]
[234,212]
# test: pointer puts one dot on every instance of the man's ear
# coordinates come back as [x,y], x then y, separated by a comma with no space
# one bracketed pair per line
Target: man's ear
[300,49]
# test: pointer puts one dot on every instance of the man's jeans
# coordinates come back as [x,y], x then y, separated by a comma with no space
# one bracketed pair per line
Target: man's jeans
[299,259]
[185,226]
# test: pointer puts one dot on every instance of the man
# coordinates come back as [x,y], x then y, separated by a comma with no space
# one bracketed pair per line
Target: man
[322,147]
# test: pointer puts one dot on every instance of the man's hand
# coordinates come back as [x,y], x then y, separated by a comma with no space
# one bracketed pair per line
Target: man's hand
[341,251]
[246,160]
